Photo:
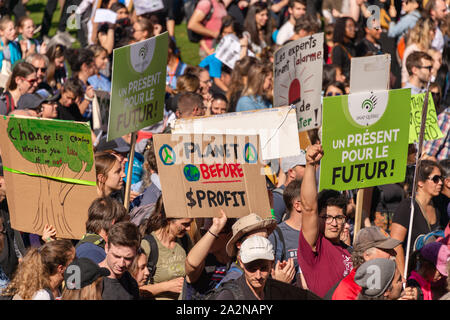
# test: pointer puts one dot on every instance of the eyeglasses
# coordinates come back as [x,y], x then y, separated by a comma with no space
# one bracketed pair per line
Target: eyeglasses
[426,67]
[331,94]
[436,179]
[206,81]
[329,219]
[30,81]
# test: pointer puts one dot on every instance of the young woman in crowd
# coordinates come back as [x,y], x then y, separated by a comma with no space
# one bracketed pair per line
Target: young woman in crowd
[10,51]
[28,45]
[98,80]
[426,214]
[334,88]
[109,173]
[142,29]
[41,272]
[167,281]
[419,39]
[139,269]
[258,27]
[239,80]
[175,67]
[332,73]
[23,80]
[344,44]
[56,72]
[258,92]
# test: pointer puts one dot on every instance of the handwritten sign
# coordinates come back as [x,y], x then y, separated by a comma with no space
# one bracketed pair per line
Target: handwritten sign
[51,163]
[138,86]
[298,79]
[228,51]
[432,130]
[365,139]
[202,173]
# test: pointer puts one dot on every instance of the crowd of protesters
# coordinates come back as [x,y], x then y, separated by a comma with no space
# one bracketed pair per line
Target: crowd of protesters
[309,249]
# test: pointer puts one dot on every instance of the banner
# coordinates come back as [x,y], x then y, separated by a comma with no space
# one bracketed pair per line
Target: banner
[297,73]
[50,174]
[138,86]
[365,139]
[202,173]
[432,130]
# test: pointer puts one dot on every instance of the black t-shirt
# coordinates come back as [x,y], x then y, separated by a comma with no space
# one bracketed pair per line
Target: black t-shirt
[125,288]
[420,225]
[71,112]
[341,56]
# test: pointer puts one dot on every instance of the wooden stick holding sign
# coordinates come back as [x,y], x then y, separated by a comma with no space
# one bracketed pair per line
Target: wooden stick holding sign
[414,187]
[130,171]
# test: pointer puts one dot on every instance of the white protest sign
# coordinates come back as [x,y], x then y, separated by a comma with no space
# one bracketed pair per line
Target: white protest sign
[370,73]
[276,127]
[105,15]
[145,6]
[298,70]
[228,50]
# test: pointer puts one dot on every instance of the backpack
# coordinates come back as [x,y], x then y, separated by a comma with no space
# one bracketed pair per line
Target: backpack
[285,214]
[154,253]
[7,99]
[280,235]
[231,286]
[189,9]
[424,239]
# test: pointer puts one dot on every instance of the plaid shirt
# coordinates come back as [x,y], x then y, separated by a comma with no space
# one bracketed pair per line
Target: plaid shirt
[440,148]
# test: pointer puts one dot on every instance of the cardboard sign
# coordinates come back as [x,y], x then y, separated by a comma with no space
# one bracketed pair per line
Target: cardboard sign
[228,51]
[138,86]
[202,173]
[370,73]
[365,139]
[297,73]
[145,6]
[105,15]
[50,174]
[276,128]
[432,130]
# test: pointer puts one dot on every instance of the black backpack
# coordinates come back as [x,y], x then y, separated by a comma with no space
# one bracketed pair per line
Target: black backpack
[231,286]
[275,246]
[189,9]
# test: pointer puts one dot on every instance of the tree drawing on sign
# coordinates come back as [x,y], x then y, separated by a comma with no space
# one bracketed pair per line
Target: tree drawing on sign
[59,149]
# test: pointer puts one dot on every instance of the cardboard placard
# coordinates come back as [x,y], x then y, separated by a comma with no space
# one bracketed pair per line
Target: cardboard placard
[105,15]
[432,130]
[365,139]
[276,128]
[228,51]
[298,68]
[370,73]
[50,174]
[200,174]
[138,86]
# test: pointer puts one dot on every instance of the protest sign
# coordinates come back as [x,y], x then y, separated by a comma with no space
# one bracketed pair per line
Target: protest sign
[103,98]
[146,6]
[50,173]
[202,173]
[432,130]
[228,51]
[276,128]
[138,86]
[105,16]
[365,139]
[370,73]
[297,73]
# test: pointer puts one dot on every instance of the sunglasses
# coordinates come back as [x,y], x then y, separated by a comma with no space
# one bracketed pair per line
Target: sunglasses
[41,69]
[436,179]
[426,67]
[30,81]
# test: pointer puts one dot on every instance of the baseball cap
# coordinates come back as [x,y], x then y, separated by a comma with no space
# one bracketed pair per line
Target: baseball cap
[291,162]
[375,276]
[118,145]
[371,237]
[29,101]
[89,271]
[437,253]
[47,96]
[256,248]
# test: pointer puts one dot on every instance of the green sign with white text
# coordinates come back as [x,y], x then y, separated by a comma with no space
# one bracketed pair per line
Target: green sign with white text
[365,139]
[138,86]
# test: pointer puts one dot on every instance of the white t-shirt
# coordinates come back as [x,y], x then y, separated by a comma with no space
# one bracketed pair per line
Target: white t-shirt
[43,295]
[285,33]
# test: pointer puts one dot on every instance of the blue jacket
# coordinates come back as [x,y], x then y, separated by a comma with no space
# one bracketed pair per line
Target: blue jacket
[246,103]
[14,49]
[403,25]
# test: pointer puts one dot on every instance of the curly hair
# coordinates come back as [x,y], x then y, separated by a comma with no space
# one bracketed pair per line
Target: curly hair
[34,271]
[90,292]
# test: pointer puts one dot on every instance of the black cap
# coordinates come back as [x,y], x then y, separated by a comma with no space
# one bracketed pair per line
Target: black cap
[87,270]
[48,96]
[118,145]
[29,101]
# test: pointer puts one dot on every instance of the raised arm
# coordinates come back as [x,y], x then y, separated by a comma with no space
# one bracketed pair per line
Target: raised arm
[195,260]
[308,196]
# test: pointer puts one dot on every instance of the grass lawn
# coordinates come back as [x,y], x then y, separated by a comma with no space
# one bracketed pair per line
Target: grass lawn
[189,50]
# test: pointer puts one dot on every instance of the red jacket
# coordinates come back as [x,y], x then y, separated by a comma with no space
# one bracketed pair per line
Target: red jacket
[347,289]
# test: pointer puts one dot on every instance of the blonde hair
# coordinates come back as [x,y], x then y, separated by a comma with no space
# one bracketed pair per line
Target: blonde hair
[420,34]
[89,292]
[4,21]
[33,273]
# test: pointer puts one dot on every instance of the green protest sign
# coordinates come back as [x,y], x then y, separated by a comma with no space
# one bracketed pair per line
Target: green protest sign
[365,139]
[50,163]
[432,130]
[138,86]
